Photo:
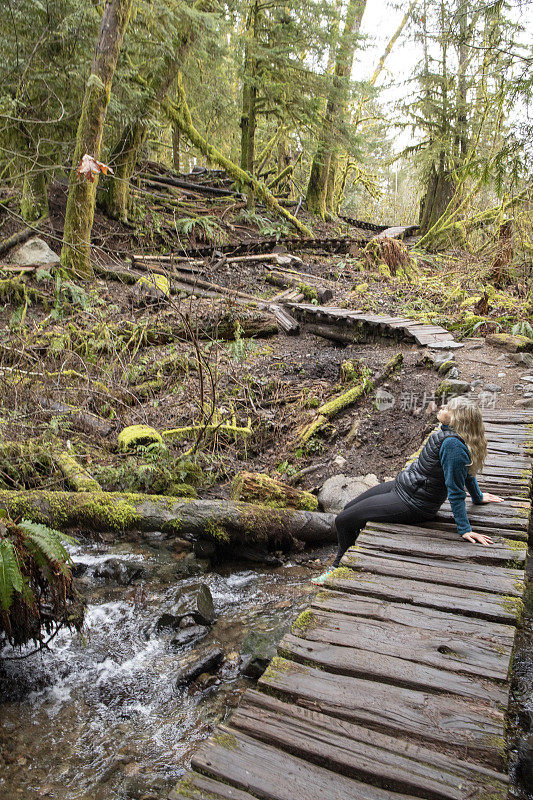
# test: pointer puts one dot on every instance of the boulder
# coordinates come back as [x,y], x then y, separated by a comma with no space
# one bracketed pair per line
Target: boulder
[193,601]
[34,253]
[445,366]
[192,634]
[453,374]
[259,647]
[384,400]
[522,358]
[452,387]
[196,663]
[116,570]
[513,343]
[340,489]
[152,289]
[524,402]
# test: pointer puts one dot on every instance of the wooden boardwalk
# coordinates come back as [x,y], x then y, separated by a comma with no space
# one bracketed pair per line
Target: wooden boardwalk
[394,683]
[398,327]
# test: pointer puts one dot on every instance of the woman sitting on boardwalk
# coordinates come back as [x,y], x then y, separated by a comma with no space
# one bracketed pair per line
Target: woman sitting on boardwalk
[446,466]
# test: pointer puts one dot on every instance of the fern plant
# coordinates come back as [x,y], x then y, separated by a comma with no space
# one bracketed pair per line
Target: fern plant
[36,592]
[522,328]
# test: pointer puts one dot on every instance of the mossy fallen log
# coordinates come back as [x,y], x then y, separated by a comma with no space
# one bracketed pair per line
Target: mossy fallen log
[135,435]
[227,523]
[191,431]
[346,399]
[256,487]
[329,410]
[75,475]
[48,454]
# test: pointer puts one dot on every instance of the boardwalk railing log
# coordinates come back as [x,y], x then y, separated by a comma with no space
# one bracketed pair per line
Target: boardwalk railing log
[394,683]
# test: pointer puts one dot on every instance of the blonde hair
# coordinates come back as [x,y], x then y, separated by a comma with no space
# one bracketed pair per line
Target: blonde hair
[466,420]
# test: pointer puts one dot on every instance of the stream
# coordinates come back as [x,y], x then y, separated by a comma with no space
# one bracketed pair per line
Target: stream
[99,715]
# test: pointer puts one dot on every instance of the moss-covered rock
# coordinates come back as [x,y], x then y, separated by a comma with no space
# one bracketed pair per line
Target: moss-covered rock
[452,387]
[256,487]
[514,343]
[134,435]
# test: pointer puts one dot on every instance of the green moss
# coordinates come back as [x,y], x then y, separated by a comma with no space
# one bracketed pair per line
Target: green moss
[513,605]
[309,292]
[304,622]
[333,407]
[277,665]
[158,282]
[384,270]
[342,573]
[216,531]
[181,490]
[134,435]
[446,366]
[263,490]
[226,740]
[515,544]
[360,288]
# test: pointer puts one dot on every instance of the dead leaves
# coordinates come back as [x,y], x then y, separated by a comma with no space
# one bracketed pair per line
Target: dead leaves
[89,167]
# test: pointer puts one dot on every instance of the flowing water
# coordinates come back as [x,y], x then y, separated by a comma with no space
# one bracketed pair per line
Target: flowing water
[98,715]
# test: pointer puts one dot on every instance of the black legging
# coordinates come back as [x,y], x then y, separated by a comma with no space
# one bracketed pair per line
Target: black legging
[380,504]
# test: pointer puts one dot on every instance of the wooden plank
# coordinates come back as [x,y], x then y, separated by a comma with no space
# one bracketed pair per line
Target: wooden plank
[362,753]
[482,605]
[477,577]
[436,527]
[481,518]
[370,608]
[431,645]
[361,662]
[270,774]
[199,787]
[430,546]
[471,730]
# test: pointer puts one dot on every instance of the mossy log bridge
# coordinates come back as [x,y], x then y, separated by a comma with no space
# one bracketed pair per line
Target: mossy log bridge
[393,685]
[365,324]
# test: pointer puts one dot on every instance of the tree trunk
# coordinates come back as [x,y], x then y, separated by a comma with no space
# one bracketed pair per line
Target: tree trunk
[176,147]
[76,252]
[34,202]
[114,198]
[249,97]
[225,523]
[318,181]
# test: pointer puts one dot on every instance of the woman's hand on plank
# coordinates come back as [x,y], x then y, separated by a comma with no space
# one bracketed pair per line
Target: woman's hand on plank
[477,538]
[491,498]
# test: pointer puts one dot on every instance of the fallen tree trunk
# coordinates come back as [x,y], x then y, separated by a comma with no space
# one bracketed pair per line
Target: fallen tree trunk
[310,291]
[332,334]
[226,523]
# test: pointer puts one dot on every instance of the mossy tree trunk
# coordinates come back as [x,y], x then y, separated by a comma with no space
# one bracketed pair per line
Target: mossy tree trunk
[226,523]
[317,188]
[114,198]
[76,251]
[248,122]
[34,202]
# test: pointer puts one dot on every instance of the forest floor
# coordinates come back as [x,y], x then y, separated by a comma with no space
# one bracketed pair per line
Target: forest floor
[105,349]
